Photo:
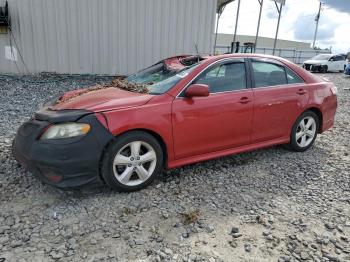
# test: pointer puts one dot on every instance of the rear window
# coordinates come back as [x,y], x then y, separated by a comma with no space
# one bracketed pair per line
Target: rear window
[268,74]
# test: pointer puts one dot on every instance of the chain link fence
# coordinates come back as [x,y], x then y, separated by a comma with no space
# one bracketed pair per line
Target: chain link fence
[296,56]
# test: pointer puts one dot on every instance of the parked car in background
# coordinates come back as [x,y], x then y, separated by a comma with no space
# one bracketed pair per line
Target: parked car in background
[325,62]
[347,69]
[213,107]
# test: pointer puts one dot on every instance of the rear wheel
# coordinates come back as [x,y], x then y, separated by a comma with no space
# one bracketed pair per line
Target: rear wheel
[132,162]
[304,132]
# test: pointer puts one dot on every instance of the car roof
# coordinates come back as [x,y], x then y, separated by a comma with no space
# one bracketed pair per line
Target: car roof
[208,60]
[244,55]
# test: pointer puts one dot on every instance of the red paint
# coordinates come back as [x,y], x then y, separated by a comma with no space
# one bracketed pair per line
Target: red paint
[196,90]
[207,124]
[174,63]
[201,128]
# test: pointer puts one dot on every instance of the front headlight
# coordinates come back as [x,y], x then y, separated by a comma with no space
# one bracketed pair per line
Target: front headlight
[65,130]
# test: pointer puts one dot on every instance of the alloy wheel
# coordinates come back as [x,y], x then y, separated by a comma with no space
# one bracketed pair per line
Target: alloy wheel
[306,131]
[134,163]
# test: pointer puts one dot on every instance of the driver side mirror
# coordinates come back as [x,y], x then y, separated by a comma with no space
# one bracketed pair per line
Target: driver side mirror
[331,59]
[197,90]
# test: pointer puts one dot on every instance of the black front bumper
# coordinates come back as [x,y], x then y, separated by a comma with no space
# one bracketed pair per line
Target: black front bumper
[313,68]
[63,163]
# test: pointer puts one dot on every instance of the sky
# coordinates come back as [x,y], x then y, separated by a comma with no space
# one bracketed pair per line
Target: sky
[297,21]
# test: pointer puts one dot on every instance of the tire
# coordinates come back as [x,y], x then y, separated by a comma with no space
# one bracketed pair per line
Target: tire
[124,170]
[303,137]
[324,69]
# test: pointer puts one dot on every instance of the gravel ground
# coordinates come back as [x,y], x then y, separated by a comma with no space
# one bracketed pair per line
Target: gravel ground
[267,205]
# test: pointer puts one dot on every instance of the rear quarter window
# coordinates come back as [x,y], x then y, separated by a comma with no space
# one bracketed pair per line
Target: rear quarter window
[292,77]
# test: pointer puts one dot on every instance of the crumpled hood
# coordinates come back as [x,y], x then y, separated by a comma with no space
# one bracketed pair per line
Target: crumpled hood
[316,62]
[100,100]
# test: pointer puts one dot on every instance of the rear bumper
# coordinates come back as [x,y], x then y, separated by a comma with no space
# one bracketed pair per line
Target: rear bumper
[64,163]
[329,111]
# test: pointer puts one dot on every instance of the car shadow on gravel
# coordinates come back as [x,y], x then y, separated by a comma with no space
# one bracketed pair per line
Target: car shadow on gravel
[267,171]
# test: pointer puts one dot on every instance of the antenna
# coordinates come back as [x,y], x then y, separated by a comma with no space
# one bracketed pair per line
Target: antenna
[196,46]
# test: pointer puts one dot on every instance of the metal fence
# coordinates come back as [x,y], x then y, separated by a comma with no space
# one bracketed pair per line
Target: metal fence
[296,56]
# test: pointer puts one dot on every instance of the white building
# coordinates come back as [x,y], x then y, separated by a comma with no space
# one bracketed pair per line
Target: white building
[263,42]
[103,36]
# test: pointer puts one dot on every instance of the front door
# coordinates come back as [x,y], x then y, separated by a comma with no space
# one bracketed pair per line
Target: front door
[332,64]
[220,121]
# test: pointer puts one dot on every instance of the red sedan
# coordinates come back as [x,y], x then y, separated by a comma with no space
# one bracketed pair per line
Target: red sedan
[195,109]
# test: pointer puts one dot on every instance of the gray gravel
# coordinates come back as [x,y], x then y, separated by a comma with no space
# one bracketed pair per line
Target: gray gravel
[267,205]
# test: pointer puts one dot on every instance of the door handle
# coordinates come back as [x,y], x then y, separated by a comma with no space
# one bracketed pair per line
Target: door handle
[244,100]
[301,92]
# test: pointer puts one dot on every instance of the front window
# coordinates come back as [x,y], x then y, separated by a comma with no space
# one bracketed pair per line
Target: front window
[321,57]
[224,77]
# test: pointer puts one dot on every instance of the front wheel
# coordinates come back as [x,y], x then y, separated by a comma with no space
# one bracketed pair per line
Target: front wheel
[304,132]
[324,69]
[132,162]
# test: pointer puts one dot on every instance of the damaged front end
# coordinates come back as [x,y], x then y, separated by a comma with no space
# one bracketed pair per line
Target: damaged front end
[64,163]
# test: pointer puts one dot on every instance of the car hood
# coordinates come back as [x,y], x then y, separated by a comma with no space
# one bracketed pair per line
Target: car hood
[100,100]
[313,62]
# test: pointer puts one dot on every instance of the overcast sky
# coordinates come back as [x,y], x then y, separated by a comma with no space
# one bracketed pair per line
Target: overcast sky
[297,21]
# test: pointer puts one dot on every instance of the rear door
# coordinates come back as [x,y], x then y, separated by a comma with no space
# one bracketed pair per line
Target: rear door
[220,121]
[279,97]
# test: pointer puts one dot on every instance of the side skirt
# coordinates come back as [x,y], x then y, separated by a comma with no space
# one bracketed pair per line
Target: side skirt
[226,152]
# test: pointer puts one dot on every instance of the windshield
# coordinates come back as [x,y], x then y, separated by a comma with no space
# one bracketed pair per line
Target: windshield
[158,79]
[321,57]
[152,74]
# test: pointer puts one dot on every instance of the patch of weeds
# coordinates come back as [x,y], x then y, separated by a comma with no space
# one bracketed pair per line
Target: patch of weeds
[190,217]
[128,211]
[116,83]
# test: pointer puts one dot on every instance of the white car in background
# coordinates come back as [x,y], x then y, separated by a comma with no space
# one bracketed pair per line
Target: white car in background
[325,62]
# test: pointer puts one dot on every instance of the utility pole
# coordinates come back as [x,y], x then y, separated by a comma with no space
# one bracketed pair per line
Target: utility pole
[278,24]
[236,25]
[219,12]
[317,18]
[261,2]
[216,32]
